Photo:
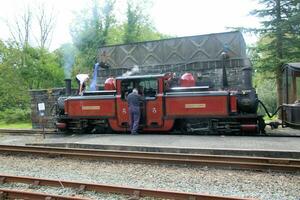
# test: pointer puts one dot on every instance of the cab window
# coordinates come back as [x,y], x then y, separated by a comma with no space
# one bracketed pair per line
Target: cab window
[146,87]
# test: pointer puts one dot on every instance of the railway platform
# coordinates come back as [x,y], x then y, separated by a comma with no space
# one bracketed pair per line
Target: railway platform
[281,143]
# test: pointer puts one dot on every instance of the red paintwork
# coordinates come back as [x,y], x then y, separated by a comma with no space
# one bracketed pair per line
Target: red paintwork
[214,106]
[249,127]
[90,108]
[113,123]
[187,80]
[110,84]
[160,112]
[233,103]
[154,110]
[60,125]
[167,126]
[122,111]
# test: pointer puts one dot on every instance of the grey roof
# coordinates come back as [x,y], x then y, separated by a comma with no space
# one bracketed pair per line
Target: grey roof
[174,51]
[296,65]
[292,66]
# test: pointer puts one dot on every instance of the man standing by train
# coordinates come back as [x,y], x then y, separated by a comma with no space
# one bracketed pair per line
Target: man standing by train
[134,100]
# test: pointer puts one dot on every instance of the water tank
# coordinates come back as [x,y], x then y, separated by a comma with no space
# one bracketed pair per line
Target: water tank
[187,80]
[110,84]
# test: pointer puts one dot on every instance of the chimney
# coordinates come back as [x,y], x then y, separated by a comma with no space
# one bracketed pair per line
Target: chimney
[247,77]
[68,86]
[224,73]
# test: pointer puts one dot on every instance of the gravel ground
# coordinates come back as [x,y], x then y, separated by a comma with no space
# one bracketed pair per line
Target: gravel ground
[260,185]
[64,192]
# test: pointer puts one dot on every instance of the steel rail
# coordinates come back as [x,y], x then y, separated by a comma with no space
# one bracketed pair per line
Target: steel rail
[135,192]
[18,194]
[26,131]
[237,162]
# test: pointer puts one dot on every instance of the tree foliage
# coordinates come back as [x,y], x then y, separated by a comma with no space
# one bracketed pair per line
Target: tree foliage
[24,66]
[12,86]
[90,31]
[39,70]
[138,26]
[97,26]
[279,37]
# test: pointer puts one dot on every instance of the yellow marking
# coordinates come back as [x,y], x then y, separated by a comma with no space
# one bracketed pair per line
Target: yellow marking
[200,105]
[90,107]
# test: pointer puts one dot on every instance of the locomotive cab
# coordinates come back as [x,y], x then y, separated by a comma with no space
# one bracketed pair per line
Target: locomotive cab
[291,95]
[151,109]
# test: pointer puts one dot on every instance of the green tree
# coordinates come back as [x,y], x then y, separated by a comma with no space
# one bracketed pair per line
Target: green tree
[13,90]
[90,31]
[41,69]
[138,26]
[279,37]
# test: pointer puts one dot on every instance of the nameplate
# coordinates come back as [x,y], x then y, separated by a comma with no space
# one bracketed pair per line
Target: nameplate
[90,107]
[200,105]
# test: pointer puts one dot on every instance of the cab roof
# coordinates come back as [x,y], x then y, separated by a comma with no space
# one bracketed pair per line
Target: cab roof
[140,77]
[292,66]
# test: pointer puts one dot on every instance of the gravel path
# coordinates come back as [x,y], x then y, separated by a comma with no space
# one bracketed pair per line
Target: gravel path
[261,185]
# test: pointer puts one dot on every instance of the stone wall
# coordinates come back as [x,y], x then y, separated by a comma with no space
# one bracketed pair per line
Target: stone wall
[49,98]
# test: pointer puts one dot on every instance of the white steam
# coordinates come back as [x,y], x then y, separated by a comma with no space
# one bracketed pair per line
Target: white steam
[134,70]
[68,52]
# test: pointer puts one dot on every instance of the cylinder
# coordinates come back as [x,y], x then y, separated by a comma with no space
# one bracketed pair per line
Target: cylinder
[68,86]
[247,78]
[249,128]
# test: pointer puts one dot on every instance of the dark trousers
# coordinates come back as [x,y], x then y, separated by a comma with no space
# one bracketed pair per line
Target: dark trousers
[134,112]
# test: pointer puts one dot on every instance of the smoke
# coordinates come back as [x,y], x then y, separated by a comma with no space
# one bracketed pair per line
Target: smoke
[68,51]
[134,70]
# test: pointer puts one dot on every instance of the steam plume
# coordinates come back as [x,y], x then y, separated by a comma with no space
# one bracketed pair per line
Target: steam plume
[68,54]
[134,70]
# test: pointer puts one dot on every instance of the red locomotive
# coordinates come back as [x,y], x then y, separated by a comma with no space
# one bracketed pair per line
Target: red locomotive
[185,107]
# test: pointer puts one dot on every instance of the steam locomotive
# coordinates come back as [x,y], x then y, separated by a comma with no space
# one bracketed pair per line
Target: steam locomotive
[177,105]
[171,104]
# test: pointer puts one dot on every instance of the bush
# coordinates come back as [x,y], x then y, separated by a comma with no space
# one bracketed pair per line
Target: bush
[266,90]
[15,115]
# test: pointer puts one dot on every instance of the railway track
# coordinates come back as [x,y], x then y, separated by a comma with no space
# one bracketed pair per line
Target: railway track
[26,131]
[17,194]
[235,162]
[53,131]
[135,193]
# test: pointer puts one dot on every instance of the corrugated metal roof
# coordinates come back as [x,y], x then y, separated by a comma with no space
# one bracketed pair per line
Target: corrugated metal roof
[291,66]
[176,50]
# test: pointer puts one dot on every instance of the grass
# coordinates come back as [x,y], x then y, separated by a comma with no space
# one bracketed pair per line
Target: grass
[268,119]
[17,125]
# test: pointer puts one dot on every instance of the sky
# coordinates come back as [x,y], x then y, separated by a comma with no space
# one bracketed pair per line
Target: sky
[171,17]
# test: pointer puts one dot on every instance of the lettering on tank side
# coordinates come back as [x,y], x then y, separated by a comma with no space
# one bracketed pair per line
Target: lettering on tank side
[90,107]
[201,105]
